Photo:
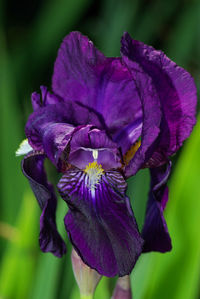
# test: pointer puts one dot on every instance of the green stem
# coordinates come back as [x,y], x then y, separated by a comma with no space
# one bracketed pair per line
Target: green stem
[86,297]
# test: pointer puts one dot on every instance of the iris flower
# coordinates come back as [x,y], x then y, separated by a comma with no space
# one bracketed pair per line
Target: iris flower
[105,119]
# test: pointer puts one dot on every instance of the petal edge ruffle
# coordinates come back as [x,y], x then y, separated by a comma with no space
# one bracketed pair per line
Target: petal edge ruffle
[176,91]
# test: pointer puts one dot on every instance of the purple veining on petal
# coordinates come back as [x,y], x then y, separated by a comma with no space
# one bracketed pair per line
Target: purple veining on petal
[95,217]
[99,108]
[73,76]
[84,74]
[151,122]
[118,99]
[175,90]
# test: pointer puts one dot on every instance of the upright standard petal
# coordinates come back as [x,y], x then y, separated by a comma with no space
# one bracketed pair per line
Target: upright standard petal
[176,91]
[155,232]
[117,98]
[84,75]
[100,222]
[151,107]
[74,76]
[50,240]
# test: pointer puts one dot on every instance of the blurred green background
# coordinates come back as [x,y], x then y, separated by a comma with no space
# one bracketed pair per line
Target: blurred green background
[30,35]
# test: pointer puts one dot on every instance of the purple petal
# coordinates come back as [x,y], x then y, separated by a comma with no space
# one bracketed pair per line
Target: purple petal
[176,91]
[55,138]
[47,98]
[117,100]
[100,225]
[155,232]
[74,76]
[50,240]
[128,135]
[68,113]
[36,102]
[83,74]
[88,138]
[151,110]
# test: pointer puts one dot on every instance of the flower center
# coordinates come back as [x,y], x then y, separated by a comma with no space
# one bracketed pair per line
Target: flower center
[94,172]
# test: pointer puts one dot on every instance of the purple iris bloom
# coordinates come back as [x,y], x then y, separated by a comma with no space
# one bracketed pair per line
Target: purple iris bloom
[105,119]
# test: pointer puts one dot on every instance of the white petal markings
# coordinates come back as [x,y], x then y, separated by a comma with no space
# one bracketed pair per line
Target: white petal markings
[24,148]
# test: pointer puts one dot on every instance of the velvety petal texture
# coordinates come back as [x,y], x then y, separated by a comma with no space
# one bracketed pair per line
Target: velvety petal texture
[155,232]
[151,117]
[69,113]
[87,139]
[85,75]
[46,99]
[175,89]
[106,119]
[128,135]
[100,222]
[50,240]
[55,140]
[74,74]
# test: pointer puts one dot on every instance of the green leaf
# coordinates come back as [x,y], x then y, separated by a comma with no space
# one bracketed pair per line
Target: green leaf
[184,34]
[138,188]
[176,274]
[49,270]
[18,261]
[12,181]
[54,21]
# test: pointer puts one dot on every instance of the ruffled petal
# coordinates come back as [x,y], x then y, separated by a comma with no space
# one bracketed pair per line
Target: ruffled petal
[152,114]
[69,113]
[176,91]
[50,240]
[117,99]
[100,222]
[155,232]
[74,74]
[85,75]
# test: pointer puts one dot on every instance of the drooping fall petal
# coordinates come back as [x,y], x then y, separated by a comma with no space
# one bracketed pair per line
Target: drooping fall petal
[50,239]
[100,222]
